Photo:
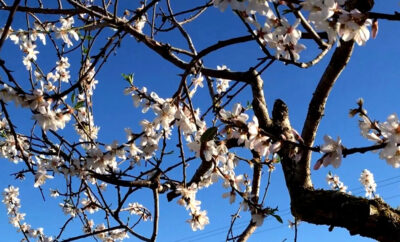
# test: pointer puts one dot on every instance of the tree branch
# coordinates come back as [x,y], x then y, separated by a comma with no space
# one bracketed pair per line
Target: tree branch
[371,218]
[317,104]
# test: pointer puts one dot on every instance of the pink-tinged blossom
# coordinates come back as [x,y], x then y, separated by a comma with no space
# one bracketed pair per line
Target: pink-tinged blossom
[210,150]
[391,129]
[330,27]
[37,102]
[290,34]
[333,153]
[391,153]
[290,51]
[354,26]
[320,10]
[66,31]
[366,128]
[236,115]
[165,115]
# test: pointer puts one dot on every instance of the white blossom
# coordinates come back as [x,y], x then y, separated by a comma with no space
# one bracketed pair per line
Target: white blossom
[199,219]
[367,180]
[333,153]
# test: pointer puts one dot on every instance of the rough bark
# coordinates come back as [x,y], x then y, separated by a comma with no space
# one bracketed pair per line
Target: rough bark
[370,218]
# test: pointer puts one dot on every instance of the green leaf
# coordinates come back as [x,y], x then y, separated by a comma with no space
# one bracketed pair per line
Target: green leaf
[79,104]
[248,105]
[3,134]
[276,158]
[80,35]
[278,218]
[85,50]
[128,77]
[73,98]
[209,134]
[287,11]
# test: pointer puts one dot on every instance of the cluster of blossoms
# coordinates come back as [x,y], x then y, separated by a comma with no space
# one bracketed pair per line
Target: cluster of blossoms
[43,108]
[188,199]
[168,114]
[382,133]
[276,32]
[90,203]
[65,31]
[106,236]
[140,21]
[69,208]
[8,148]
[367,180]
[329,16]
[248,134]
[41,172]
[335,183]
[103,162]
[390,131]
[387,132]
[138,209]
[85,125]
[16,218]
[61,72]
[113,235]
[27,39]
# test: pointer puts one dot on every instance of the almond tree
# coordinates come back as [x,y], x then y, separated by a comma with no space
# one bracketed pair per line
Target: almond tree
[85,34]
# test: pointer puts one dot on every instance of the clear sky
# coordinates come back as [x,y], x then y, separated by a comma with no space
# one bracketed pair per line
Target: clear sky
[372,73]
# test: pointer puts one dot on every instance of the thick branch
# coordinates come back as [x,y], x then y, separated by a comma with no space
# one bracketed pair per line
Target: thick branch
[259,104]
[371,218]
[317,104]
[247,232]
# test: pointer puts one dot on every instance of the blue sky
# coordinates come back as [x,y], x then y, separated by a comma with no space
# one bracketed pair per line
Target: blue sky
[372,73]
